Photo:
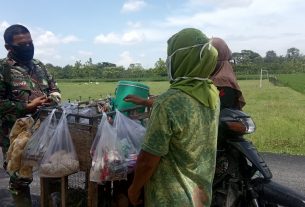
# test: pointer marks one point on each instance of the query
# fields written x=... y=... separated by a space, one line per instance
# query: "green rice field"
x=100 y=90
x=294 y=81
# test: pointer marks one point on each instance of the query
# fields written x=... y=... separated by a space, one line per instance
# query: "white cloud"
x=44 y=40
x=73 y=58
x=51 y=59
x=130 y=37
x=125 y=59
x=258 y=13
x=258 y=25
x=111 y=38
x=134 y=24
x=45 y=51
x=221 y=3
x=47 y=38
x=47 y=55
x=3 y=26
x=133 y=5
x=85 y=53
x=69 y=39
x=47 y=45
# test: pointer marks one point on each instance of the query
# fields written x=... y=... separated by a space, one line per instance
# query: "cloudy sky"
x=136 y=31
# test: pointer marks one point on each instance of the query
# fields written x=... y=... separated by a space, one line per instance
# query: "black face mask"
x=23 y=53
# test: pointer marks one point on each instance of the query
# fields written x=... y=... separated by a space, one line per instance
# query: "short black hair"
x=13 y=30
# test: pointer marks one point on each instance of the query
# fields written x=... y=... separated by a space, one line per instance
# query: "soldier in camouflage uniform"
x=25 y=84
x=177 y=161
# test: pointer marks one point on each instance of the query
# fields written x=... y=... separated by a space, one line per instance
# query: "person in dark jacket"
x=224 y=77
x=25 y=84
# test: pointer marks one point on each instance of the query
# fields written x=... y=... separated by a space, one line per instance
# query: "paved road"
x=287 y=170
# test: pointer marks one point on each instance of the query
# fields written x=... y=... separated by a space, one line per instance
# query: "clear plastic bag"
x=131 y=135
x=108 y=162
x=97 y=135
x=39 y=142
x=70 y=108
x=60 y=158
x=129 y=129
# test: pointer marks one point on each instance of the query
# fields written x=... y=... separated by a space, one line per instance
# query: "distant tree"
x=99 y=68
x=78 y=64
x=54 y=70
x=113 y=72
x=247 y=61
x=78 y=70
x=105 y=64
x=160 y=68
x=89 y=69
x=270 y=56
x=249 y=55
x=237 y=57
x=67 y=72
x=135 y=66
x=293 y=53
x=135 y=70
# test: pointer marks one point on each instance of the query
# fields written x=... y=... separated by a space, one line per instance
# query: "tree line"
x=246 y=62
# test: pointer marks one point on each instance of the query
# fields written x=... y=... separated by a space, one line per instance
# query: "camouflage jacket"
x=18 y=86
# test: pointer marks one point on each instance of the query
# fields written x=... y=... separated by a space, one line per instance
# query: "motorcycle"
x=242 y=177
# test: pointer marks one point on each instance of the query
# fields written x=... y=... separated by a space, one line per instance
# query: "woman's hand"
x=134 y=196
x=135 y=99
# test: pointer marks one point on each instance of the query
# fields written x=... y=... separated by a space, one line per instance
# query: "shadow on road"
x=287 y=170
x=6 y=199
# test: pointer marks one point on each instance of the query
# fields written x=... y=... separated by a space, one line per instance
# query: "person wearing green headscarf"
x=177 y=161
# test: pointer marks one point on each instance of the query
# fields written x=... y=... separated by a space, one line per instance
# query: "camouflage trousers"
x=5 y=144
x=19 y=187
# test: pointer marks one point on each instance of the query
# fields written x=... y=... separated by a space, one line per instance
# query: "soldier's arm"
x=9 y=107
x=51 y=82
x=54 y=92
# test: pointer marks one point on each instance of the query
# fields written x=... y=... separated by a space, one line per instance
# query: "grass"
x=278 y=111
x=294 y=81
x=86 y=91
x=279 y=116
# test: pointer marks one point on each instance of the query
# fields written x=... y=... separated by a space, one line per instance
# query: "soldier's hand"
x=32 y=106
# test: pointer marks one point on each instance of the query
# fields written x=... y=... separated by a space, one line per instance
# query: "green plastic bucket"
x=125 y=88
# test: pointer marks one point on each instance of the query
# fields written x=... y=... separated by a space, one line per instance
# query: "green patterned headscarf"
x=191 y=60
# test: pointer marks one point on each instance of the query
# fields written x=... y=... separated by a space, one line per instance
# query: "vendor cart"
x=82 y=134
